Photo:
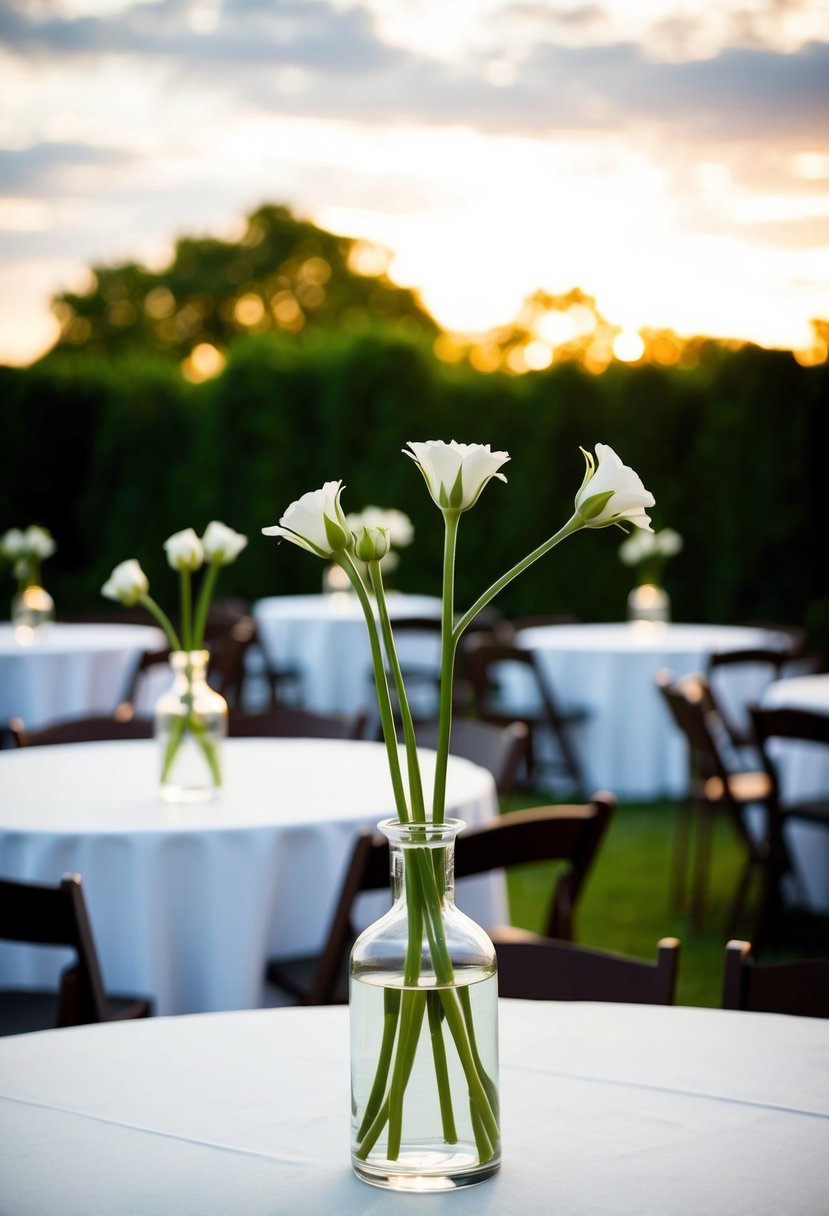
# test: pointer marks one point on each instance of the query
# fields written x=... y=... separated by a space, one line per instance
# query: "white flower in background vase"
x=646 y=553
x=191 y=718
x=32 y=606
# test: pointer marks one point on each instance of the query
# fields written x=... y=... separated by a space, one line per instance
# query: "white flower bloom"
x=127 y=584
x=184 y=550
x=13 y=543
x=316 y=522
x=456 y=473
x=612 y=493
x=221 y=544
x=38 y=542
x=396 y=523
x=668 y=542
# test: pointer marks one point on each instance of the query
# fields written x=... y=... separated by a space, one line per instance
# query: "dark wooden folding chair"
x=800 y=987
x=767 y=663
x=547 y=970
x=289 y=723
x=57 y=916
x=567 y=834
x=483 y=658
x=121 y=725
x=499 y=748
x=789 y=725
x=715 y=790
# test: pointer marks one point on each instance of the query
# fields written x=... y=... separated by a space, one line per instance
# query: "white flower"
x=668 y=542
x=221 y=544
x=612 y=493
x=127 y=584
x=316 y=522
x=637 y=547
x=456 y=473
x=13 y=543
x=396 y=523
x=184 y=550
x=38 y=542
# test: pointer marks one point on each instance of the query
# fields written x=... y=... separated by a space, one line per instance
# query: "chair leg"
x=683 y=822
x=703 y=858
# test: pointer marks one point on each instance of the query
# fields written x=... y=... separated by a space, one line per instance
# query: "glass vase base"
x=183 y=794
x=427 y=1172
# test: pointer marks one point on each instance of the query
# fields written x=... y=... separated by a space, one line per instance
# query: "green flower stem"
x=206 y=590
x=448 y=646
x=381 y=685
x=413 y=768
x=391 y=1014
x=478 y=1099
x=186 y=610
x=163 y=620
x=574 y=524
x=447 y=1116
x=411 y=1018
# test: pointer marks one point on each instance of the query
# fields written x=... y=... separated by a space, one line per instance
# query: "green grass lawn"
x=626 y=903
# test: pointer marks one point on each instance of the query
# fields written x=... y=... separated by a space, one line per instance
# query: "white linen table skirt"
x=188 y=902
x=69 y=671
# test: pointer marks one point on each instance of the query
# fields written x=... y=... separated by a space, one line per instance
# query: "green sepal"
x=592 y=507
x=456 y=493
x=337 y=536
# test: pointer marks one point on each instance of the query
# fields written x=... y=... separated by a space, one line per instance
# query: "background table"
x=325 y=636
x=607 y=1110
x=69 y=670
x=629 y=745
x=188 y=902
x=803 y=769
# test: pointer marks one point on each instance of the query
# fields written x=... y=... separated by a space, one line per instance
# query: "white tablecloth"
x=188 y=902
x=69 y=670
x=607 y=1110
x=325 y=636
x=629 y=745
x=803 y=770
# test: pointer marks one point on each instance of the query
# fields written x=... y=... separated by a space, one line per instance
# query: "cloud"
x=307 y=57
x=36 y=169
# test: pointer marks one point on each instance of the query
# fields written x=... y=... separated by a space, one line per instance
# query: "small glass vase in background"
x=32 y=608
x=190 y=724
x=648 y=602
x=424 y=1030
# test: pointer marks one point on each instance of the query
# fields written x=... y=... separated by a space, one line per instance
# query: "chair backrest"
x=692 y=709
x=762 y=664
x=784 y=722
x=800 y=987
x=547 y=970
x=228 y=647
x=556 y=833
x=482 y=658
x=84 y=730
x=290 y=723
x=497 y=748
x=149 y=660
x=57 y=916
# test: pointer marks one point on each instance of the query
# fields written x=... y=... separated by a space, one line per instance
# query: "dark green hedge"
x=115 y=456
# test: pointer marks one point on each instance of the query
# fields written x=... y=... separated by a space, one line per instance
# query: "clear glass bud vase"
x=424 y=1028
x=649 y=602
x=190 y=724
x=32 y=608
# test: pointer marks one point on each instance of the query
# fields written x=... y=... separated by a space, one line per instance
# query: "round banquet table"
x=629 y=744
x=803 y=771
x=607 y=1110
x=325 y=636
x=69 y=670
x=188 y=902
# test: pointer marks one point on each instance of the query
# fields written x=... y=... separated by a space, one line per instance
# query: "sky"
x=669 y=157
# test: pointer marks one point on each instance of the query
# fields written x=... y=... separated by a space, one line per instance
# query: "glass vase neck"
x=194 y=660
x=436 y=839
